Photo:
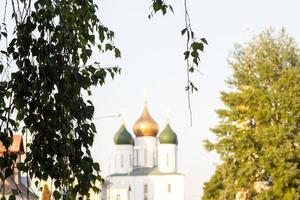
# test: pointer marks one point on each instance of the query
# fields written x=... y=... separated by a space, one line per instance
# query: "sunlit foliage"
x=258 y=134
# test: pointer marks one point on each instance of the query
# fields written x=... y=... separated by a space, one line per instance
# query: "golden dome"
x=145 y=125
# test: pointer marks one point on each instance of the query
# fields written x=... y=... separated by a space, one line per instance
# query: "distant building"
x=145 y=167
x=16 y=182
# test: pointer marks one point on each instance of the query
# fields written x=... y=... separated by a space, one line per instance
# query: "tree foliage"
x=51 y=49
x=258 y=136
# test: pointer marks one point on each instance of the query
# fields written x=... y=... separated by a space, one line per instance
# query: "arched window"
x=118 y=197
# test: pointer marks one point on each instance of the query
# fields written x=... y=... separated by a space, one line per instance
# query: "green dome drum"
x=168 y=136
x=123 y=137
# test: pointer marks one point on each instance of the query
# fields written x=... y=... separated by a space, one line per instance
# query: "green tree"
x=258 y=134
x=46 y=70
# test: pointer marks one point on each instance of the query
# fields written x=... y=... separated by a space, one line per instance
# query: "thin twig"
x=15 y=15
x=188 y=26
x=20 y=192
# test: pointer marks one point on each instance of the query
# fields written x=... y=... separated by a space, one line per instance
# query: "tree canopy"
x=258 y=136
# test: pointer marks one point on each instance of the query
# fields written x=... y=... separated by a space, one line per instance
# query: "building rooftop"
x=145 y=171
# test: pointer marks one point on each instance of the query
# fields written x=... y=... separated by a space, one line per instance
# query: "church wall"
x=152 y=187
x=142 y=186
x=167 y=157
x=145 y=151
x=123 y=161
x=168 y=187
x=118 y=194
x=119 y=188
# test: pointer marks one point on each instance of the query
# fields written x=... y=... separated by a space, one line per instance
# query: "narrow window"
x=130 y=162
x=145 y=192
x=145 y=189
x=169 y=188
x=122 y=161
x=137 y=158
x=153 y=156
x=167 y=161
x=145 y=156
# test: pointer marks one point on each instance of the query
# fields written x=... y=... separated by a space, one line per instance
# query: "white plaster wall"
x=119 y=186
x=124 y=151
x=167 y=158
x=137 y=183
x=122 y=192
x=157 y=187
x=145 y=151
x=177 y=188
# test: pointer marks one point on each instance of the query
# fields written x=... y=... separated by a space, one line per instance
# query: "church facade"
x=145 y=166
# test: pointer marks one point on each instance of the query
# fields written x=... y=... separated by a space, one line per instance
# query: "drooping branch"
x=193 y=46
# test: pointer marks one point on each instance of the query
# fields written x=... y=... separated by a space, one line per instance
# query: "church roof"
x=168 y=136
x=146 y=171
x=145 y=125
x=123 y=137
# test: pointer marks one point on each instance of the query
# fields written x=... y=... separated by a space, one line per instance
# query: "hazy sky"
x=153 y=66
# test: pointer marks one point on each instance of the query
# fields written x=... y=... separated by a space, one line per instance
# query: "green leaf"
x=1 y=68
x=171 y=8
x=15 y=192
x=191 y=69
x=195 y=54
x=4 y=34
x=12 y=197
x=22 y=167
x=108 y=47
x=204 y=41
x=96 y=166
x=117 y=53
x=183 y=31
x=56 y=195
x=186 y=55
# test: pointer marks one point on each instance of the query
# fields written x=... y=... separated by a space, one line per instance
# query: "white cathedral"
x=145 y=167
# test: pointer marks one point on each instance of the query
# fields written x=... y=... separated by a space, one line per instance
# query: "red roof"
x=17 y=145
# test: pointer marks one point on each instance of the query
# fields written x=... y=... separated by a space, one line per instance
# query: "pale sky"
x=152 y=63
x=153 y=66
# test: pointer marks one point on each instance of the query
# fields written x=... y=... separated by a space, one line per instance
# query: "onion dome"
x=145 y=125
x=123 y=137
x=168 y=136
